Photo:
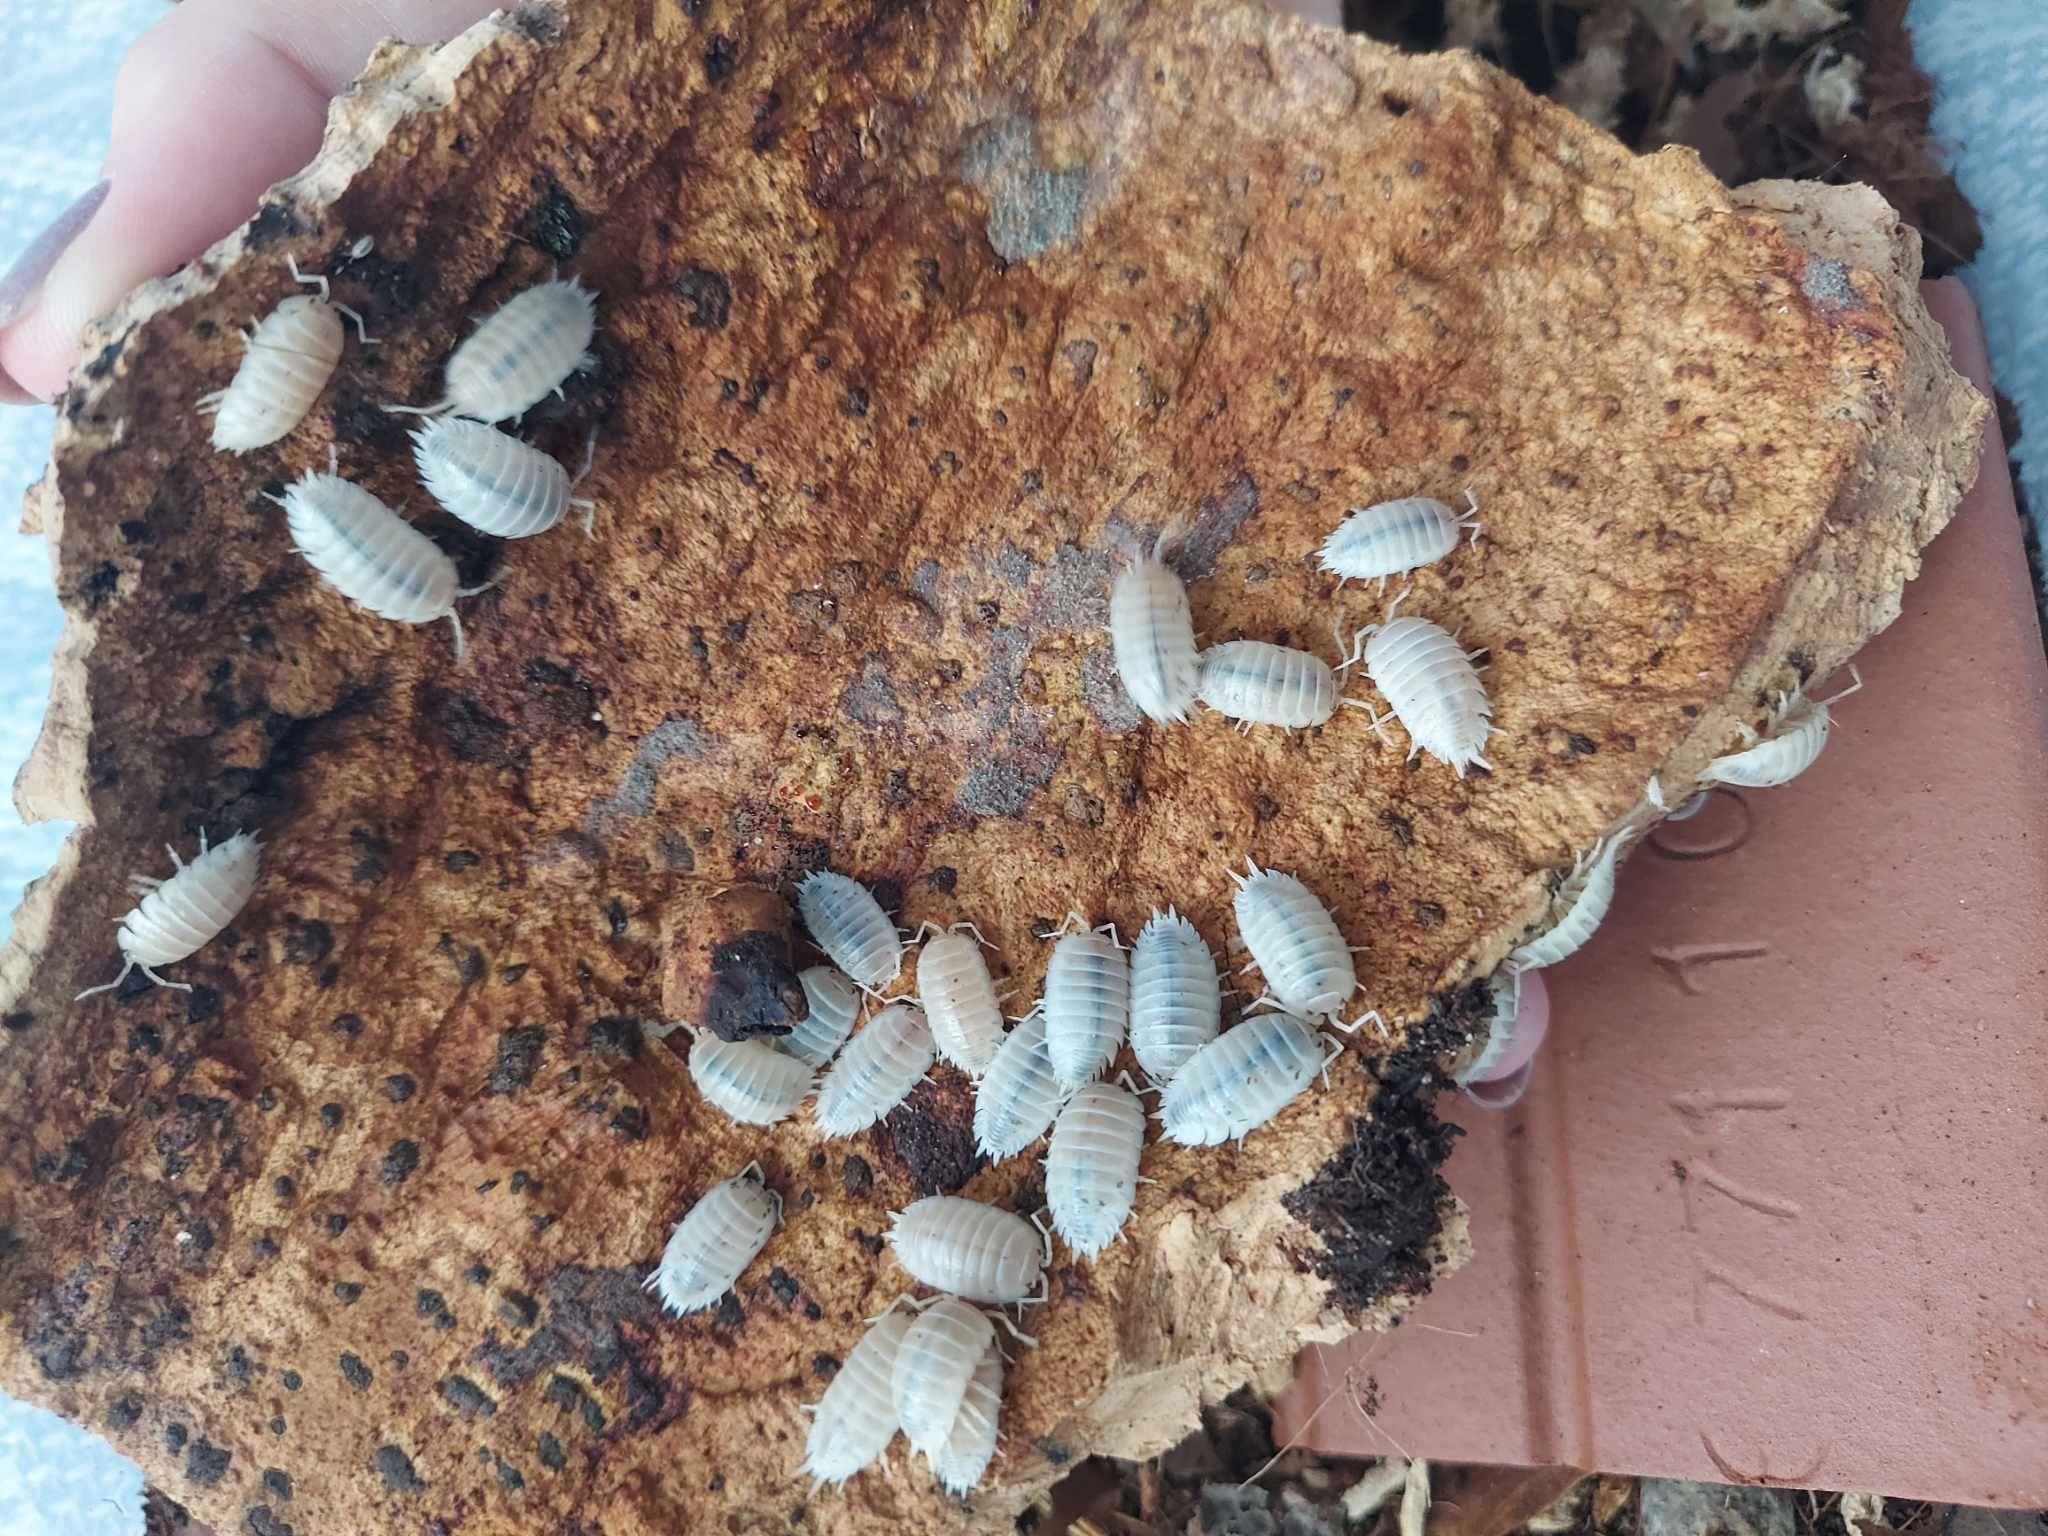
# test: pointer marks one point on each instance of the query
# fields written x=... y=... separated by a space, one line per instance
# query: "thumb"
x=215 y=103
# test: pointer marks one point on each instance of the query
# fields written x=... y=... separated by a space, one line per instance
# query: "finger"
x=214 y=104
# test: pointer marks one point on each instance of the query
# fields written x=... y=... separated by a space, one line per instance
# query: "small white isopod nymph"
x=960 y=1462
x=1242 y=1078
x=492 y=481
x=849 y=925
x=834 y=1005
x=715 y=1241
x=289 y=357
x=1020 y=1094
x=1791 y=747
x=1176 y=997
x=934 y=1364
x=959 y=1001
x=1296 y=945
x=1432 y=685
x=186 y=911
x=969 y=1249
x=1501 y=1025
x=1391 y=537
x=1152 y=635
x=1087 y=1001
x=371 y=555
x=855 y=1420
x=1091 y=1169
x=875 y=1072
x=748 y=1080
x=1255 y=682
x=519 y=355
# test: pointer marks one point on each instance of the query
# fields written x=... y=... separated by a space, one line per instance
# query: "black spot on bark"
x=337 y=1223
x=201 y=1003
x=399 y=1087
x=508 y=1475
x=1216 y=523
x=262 y=1522
x=124 y=1411
x=347 y=1292
x=355 y=1373
x=395 y=1467
x=308 y=941
x=615 y=1036
x=754 y=987
x=1428 y=914
x=784 y=1285
x=468 y=1398
x=175 y=1436
x=551 y=1455
x=461 y=859
x=721 y=58
x=278 y=1484
x=400 y=1161
x=858 y=1177
x=557 y=225
x=824 y=1367
x=854 y=402
x=100 y=586
x=433 y=1306
x=273 y=222
x=1583 y=745
x=519 y=1309
x=468 y=730
x=709 y=295
x=292 y=1380
x=519 y=1052
x=730 y=1315
x=135 y=531
x=931 y=1134
x=1403 y=831
x=145 y=1040
x=206 y=1463
x=330 y=1116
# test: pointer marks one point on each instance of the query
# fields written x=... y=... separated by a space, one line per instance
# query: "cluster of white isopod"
x=934 y=1368
x=521 y=353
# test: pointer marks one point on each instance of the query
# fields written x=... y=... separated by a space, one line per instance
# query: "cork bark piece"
x=914 y=323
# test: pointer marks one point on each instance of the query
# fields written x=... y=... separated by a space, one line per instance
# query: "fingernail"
x=21 y=281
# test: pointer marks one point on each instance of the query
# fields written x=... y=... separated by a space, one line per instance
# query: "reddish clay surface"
x=1775 y=1207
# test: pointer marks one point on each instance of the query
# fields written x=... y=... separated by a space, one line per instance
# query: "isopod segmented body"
x=491 y=480
x=856 y=1418
x=1394 y=536
x=519 y=355
x=1152 y=635
x=1087 y=1004
x=1432 y=686
x=715 y=1241
x=748 y=1080
x=834 y=1005
x=1258 y=683
x=933 y=1366
x=1091 y=1169
x=959 y=1001
x=1792 y=746
x=969 y=1249
x=186 y=911
x=875 y=1072
x=960 y=1462
x=1298 y=947
x=1241 y=1079
x=1581 y=903
x=1020 y=1094
x=1176 y=997
x=849 y=925
x=1501 y=1022
x=371 y=555
x=287 y=361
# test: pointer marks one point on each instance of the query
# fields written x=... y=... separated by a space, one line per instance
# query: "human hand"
x=213 y=104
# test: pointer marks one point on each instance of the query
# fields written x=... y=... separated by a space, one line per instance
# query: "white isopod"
x=494 y=482
x=371 y=555
x=1500 y=1029
x=1791 y=747
x=1087 y=1001
x=1257 y=683
x=1091 y=1169
x=287 y=361
x=1152 y=635
x=1580 y=904
x=934 y=1364
x=1432 y=686
x=716 y=1239
x=1394 y=536
x=962 y=1246
x=875 y=1072
x=1020 y=1095
x=971 y=1446
x=959 y=1000
x=1176 y=998
x=848 y=924
x=180 y=914
x=1296 y=945
x=834 y=1005
x=855 y=1420
x=747 y=1080
x=519 y=355
x=1243 y=1078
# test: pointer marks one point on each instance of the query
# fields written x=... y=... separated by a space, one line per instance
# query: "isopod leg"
x=175 y=986
x=927 y=926
x=315 y=281
x=964 y=923
x=589 y=514
x=1038 y=1221
x=362 y=335
x=1370 y=1016
x=90 y=991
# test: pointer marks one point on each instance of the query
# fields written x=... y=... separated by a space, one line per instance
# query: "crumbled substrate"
x=1745 y=110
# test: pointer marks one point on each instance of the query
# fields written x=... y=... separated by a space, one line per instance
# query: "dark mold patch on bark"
x=519 y=1052
x=754 y=988
x=931 y=1135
